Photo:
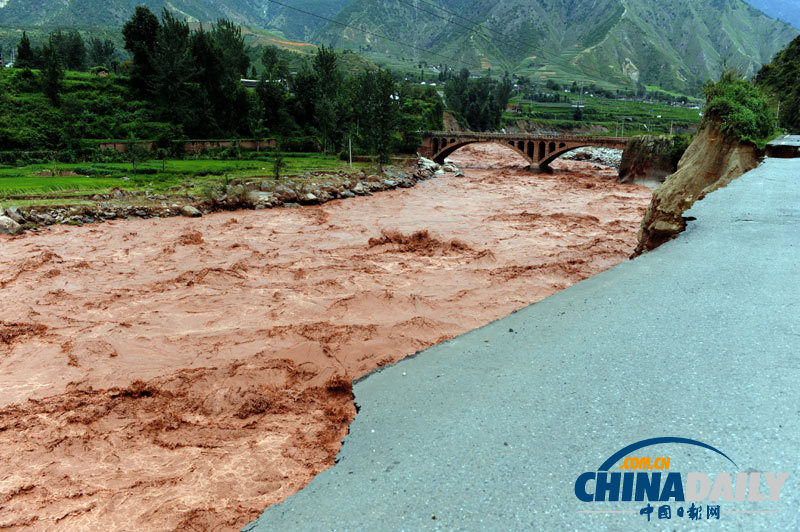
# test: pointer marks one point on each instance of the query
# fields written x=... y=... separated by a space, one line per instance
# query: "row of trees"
x=71 y=50
x=186 y=82
x=481 y=101
x=192 y=79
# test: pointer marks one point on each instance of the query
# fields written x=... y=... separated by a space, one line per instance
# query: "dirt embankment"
x=710 y=163
x=184 y=374
x=650 y=159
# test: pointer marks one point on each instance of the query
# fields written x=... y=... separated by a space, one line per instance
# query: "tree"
x=101 y=52
x=140 y=34
x=233 y=50
x=258 y=127
x=503 y=91
x=380 y=102
x=134 y=151
x=208 y=76
x=327 y=97
x=25 y=57
x=173 y=68
x=271 y=107
x=52 y=74
x=455 y=91
x=739 y=106
x=278 y=163
x=275 y=68
x=73 y=51
x=480 y=102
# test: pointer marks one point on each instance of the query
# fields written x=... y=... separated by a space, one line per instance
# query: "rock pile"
x=605 y=156
x=252 y=195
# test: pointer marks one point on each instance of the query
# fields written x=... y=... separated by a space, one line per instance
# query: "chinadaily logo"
x=641 y=475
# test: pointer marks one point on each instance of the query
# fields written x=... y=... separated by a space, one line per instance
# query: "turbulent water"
x=184 y=374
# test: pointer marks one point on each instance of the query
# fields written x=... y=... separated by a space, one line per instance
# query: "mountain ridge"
x=675 y=44
x=672 y=44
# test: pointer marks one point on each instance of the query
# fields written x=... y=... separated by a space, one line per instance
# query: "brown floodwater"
x=183 y=374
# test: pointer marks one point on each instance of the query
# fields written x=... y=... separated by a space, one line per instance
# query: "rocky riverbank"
x=314 y=188
x=603 y=156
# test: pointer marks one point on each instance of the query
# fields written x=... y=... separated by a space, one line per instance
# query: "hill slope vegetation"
x=673 y=44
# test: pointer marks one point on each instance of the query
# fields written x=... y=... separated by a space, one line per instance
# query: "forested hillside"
x=782 y=79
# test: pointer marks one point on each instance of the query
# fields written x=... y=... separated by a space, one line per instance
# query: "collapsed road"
x=493 y=430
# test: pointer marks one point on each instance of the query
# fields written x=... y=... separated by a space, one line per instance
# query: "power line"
x=449 y=21
x=378 y=35
x=473 y=22
x=531 y=47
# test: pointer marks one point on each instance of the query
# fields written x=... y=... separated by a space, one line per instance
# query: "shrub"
x=740 y=107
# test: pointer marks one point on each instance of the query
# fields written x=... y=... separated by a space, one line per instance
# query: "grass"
x=70 y=184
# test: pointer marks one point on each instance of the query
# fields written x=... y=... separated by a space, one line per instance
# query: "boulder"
x=9 y=226
x=15 y=214
x=450 y=167
x=188 y=211
x=309 y=198
x=285 y=193
x=257 y=198
x=360 y=189
x=428 y=165
x=711 y=162
x=117 y=193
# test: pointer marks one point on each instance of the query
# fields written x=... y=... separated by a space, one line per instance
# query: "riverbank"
x=186 y=373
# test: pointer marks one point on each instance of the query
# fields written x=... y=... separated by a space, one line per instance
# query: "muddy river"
x=183 y=374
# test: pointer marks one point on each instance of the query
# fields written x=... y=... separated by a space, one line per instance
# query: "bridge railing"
x=521 y=136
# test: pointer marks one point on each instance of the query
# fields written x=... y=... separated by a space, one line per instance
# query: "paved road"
x=698 y=339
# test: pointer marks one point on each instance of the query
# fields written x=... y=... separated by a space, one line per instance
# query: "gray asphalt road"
x=698 y=339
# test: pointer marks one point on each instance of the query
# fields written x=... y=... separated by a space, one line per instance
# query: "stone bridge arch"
x=448 y=149
x=538 y=151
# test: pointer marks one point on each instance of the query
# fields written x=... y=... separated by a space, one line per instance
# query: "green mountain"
x=113 y=13
x=673 y=44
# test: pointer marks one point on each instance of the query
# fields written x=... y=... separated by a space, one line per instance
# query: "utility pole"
x=350 y=148
x=580 y=101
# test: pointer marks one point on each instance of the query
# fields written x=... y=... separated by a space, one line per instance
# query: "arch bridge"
x=538 y=150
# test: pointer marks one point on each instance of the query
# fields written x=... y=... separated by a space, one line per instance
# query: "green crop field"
x=636 y=118
x=68 y=183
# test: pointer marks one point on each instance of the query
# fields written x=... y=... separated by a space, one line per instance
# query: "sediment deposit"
x=183 y=374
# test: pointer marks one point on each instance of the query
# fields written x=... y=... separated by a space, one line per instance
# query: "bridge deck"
x=539 y=150
x=465 y=135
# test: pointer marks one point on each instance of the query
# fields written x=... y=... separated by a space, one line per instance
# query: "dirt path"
x=184 y=374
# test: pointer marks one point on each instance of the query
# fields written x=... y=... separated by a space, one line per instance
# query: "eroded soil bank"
x=183 y=374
